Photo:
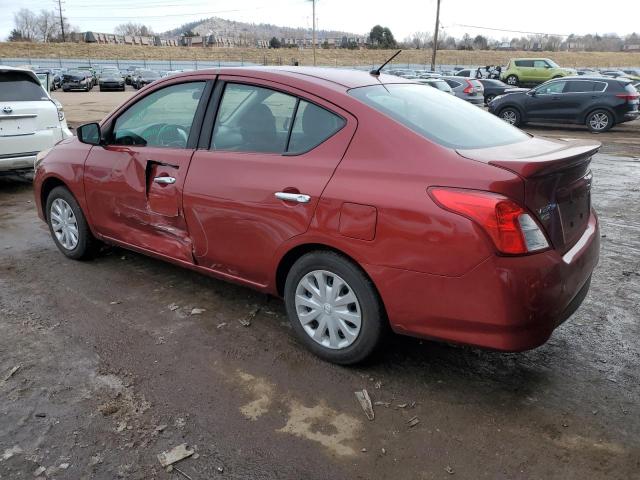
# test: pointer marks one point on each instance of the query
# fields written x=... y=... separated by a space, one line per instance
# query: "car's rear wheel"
x=511 y=116
x=68 y=225
x=334 y=308
x=599 y=121
x=512 y=80
x=488 y=98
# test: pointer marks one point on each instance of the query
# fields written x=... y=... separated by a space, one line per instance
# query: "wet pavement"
x=110 y=373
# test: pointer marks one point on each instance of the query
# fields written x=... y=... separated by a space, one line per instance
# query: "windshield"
x=443 y=119
x=552 y=63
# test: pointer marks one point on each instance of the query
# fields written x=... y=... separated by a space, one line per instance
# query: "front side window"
x=443 y=119
x=161 y=119
x=540 y=64
x=551 y=88
x=258 y=119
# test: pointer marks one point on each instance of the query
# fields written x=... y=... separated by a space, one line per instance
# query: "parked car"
x=437 y=83
x=55 y=80
x=91 y=71
x=632 y=73
x=129 y=73
x=211 y=171
x=493 y=88
x=467 y=89
x=111 y=79
x=77 y=80
x=30 y=120
x=143 y=78
x=619 y=74
x=532 y=71
x=597 y=102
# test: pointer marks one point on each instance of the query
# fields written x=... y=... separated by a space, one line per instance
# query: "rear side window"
x=599 y=86
x=20 y=87
x=312 y=126
x=524 y=63
x=443 y=119
x=579 y=86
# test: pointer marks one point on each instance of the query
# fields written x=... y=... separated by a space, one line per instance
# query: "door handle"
x=165 y=180
x=293 y=197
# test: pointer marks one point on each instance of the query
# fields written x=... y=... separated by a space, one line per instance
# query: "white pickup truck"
x=30 y=120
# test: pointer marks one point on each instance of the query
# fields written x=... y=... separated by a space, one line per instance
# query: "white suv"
x=30 y=120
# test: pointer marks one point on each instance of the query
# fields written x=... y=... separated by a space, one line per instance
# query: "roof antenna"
x=376 y=71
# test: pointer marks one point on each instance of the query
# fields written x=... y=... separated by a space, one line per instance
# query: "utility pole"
x=435 y=38
x=314 y=31
x=61 y=20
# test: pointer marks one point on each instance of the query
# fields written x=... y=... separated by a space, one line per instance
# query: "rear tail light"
x=628 y=96
x=469 y=88
x=512 y=230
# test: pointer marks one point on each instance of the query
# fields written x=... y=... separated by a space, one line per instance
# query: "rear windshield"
x=20 y=87
x=443 y=119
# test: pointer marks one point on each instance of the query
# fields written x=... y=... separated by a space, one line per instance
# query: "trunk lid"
x=557 y=182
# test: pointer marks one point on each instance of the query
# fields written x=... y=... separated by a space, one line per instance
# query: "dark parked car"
x=493 y=88
x=450 y=225
x=142 y=78
x=129 y=73
x=111 y=79
x=92 y=71
x=468 y=89
x=77 y=80
x=597 y=102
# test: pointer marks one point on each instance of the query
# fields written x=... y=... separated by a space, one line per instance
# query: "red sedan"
x=365 y=201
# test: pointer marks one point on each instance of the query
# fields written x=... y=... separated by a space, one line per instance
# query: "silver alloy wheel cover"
x=599 y=121
x=509 y=116
x=64 y=224
x=328 y=309
x=511 y=80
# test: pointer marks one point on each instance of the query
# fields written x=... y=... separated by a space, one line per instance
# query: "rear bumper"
x=505 y=303
x=15 y=162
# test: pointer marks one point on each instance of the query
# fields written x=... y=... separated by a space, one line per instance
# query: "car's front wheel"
x=511 y=116
x=512 y=80
x=68 y=225
x=334 y=308
x=599 y=121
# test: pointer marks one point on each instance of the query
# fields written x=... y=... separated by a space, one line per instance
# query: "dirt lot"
x=86 y=51
x=100 y=372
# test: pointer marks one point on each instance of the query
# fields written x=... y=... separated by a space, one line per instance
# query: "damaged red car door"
x=134 y=181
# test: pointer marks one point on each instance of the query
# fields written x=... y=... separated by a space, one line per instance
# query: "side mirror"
x=90 y=134
x=532 y=93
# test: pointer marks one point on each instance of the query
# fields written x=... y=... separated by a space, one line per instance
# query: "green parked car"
x=533 y=71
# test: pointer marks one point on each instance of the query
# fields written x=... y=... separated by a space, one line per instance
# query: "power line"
x=509 y=31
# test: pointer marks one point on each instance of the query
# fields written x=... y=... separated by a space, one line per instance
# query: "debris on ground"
x=364 y=450
x=115 y=302
x=449 y=470
x=413 y=421
x=220 y=325
x=10 y=452
x=64 y=466
x=39 y=471
x=174 y=455
x=161 y=428
x=365 y=403
x=220 y=469
x=173 y=307
x=182 y=473
x=11 y=373
x=246 y=321
x=108 y=408
x=198 y=311
x=383 y=450
x=402 y=405
x=382 y=404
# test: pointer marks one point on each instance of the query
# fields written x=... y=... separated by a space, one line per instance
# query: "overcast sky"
x=358 y=16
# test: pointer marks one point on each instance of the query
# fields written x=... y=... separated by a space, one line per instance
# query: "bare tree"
x=132 y=28
x=48 y=25
x=25 y=22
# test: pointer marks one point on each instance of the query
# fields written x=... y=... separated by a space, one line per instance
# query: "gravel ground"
x=100 y=372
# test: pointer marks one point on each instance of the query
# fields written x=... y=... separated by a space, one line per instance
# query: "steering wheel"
x=171 y=135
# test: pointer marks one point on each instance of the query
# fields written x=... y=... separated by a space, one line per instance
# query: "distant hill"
x=251 y=31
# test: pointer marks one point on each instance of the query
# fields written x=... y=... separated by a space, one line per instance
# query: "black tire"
x=599 y=121
x=102 y=89
x=373 y=318
x=87 y=244
x=65 y=89
x=512 y=80
x=488 y=98
x=511 y=115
